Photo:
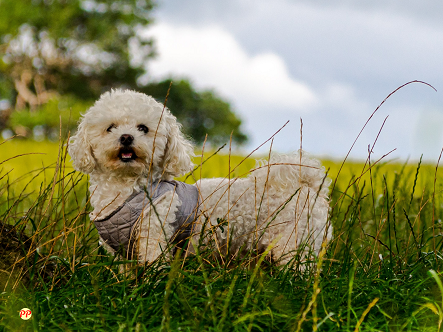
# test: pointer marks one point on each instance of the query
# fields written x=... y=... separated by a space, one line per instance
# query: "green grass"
x=377 y=274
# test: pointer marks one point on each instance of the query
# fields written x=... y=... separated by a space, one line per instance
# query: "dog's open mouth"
x=127 y=154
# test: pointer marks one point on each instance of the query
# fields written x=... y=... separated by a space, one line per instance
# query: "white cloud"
x=212 y=58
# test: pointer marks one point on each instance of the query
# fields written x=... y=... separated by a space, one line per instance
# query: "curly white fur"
x=285 y=199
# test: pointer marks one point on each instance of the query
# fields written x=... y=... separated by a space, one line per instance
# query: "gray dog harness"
x=118 y=231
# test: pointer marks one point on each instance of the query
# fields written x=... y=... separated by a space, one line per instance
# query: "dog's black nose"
x=126 y=139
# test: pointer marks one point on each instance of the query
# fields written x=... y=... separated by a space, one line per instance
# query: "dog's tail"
x=288 y=172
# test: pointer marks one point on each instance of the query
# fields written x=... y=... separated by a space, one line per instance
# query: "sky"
x=327 y=64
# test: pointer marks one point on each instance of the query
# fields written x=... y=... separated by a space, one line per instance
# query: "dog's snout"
x=126 y=139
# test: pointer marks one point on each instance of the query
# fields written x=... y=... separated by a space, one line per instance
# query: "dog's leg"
x=107 y=247
x=304 y=229
x=122 y=268
x=155 y=230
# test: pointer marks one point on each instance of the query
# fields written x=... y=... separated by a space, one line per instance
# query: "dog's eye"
x=110 y=127
x=143 y=128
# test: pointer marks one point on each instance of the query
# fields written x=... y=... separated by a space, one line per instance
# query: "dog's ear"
x=81 y=152
x=178 y=151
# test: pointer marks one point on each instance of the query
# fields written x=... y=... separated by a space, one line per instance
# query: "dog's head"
x=130 y=134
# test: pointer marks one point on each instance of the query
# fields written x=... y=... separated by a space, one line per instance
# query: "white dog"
x=132 y=148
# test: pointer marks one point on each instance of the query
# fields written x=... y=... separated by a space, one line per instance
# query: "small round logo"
x=25 y=313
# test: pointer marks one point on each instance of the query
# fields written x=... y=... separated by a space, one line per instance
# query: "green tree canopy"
x=55 y=52
x=200 y=113
x=77 y=47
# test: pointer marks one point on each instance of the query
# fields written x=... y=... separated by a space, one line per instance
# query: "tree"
x=80 y=47
x=200 y=113
x=60 y=55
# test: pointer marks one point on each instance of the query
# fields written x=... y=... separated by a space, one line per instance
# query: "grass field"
x=381 y=271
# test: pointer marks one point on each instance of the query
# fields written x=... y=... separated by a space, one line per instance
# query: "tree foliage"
x=54 y=52
x=200 y=113
x=77 y=47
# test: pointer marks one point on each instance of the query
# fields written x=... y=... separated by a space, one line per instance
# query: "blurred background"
x=239 y=66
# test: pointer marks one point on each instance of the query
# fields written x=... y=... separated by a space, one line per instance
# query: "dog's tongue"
x=127 y=155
